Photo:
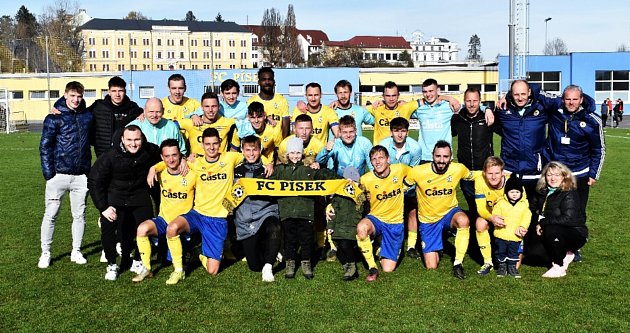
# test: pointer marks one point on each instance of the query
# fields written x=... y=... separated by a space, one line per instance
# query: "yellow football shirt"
x=213 y=181
x=383 y=115
x=179 y=111
x=311 y=150
x=387 y=195
x=178 y=193
x=486 y=197
x=270 y=139
x=225 y=126
x=323 y=120
x=436 y=192
x=277 y=107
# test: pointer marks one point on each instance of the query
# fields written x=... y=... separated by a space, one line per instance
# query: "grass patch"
x=67 y=297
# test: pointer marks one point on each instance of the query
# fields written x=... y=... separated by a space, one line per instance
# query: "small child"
x=516 y=216
x=297 y=213
x=342 y=226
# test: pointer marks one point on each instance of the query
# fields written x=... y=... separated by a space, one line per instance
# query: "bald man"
x=156 y=128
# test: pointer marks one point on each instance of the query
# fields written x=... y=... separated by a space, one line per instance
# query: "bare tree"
x=271 y=36
x=134 y=15
x=474 y=48
x=290 y=47
x=556 y=46
x=59 y=24
x=190 y=17
x=623 y=48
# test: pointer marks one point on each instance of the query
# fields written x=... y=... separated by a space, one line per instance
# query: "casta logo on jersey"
x=435 y=191
x=174 y=195
x=385 y=195
x=210 y=176
x=317 y=131
x=383 y=122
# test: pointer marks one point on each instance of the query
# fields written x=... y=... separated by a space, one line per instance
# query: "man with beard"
x=276 y=106
x=343 y=90
x=438 y=210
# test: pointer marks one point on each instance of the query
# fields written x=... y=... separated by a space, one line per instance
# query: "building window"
x=193 y=55
x=612 y=84
x=121 y=67
x=37 y=94
x=105 y=41
x=206 y=55
x=92 y=54
x=181 y=42
x=193 y=42
x=133 y=54
x=232 y=66
x=145 y=41
x=170 y=42
x=89 y=93
x=181 y=55
x=159 y=42
x=106 y=54
x=250 y=89
x=92 y=67
x=106 y=67
x=232 y=43
x=194 y=67
x=121 y=54
x=243 y=55
x=489 y=87
x=146 y=55
x=145 y=67
x=159 y=55
x=91 y=41
x=147 y=91
x=232 y=55
x=132 y=41
x=217 y=55
x=16 y=94
x=121 y=41
x=217 y=42
x=243 y=43
x=217 y=66
x=548 y=81
x=206 y=42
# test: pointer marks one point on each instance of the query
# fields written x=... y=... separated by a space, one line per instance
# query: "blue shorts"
x=392 y=237
x=213 y=232
x=160 y=225
x=431 y=233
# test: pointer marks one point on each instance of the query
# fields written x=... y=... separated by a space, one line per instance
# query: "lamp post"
x=546 y=22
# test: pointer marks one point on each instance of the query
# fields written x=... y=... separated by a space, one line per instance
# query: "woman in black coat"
x=562 y=224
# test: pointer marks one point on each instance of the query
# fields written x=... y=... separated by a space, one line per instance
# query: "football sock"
x=483 y=239
x=175 y=246
x=412 y=238
x=461 y=244
x=332 y=244
x=144 y=246
x=321 y=238
x=366 y=250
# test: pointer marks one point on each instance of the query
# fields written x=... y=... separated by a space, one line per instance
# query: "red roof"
x=318 y=37
x=378 y=42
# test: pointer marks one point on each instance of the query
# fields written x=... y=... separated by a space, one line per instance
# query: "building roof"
x=379 y=42
x=147 y=25
x=318 y=37
x=443 y=40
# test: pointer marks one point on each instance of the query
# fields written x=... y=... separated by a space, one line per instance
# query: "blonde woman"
x=562 y=224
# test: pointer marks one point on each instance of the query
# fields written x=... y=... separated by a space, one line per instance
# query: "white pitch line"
x=617 y=136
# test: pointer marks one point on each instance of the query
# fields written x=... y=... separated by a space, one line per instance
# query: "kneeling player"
x=177 y=193
x=386 y=192
x=438 y=209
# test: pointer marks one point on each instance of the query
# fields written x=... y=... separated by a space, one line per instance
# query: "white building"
x=435 y=51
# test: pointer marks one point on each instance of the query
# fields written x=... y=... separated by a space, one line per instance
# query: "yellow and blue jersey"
x=177 y=194
x=225 y=126
x=387 y=195
x=277 y=107
x=323 y=120
x=383 y=115
x=183 y=110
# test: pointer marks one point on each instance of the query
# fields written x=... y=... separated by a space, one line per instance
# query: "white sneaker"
x=77 y=257
x=44 y=260
x=556 y=271
x=103 y=258
x=118 y=249
x=267 y=273
x=137 y=267
x=279 y=257
x=568 y=258
x=112 y=272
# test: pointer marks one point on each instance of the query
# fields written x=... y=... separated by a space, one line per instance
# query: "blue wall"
x=197 y=79
x=577 y=68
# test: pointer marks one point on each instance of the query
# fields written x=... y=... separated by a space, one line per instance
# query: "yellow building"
x=452 y=80
x=118 y=45
x=30 y=96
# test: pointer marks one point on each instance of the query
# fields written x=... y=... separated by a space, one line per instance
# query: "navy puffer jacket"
x=65 y=143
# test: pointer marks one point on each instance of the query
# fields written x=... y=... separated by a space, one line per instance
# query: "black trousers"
x=558 y=240
x=123 y=228
x=298 y=233
x=263 y=247
x=583 y=191
x=346 y=250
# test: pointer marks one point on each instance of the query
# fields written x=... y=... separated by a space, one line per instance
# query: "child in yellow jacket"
x=516 y=216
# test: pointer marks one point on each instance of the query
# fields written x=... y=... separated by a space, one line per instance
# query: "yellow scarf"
x=290 y=188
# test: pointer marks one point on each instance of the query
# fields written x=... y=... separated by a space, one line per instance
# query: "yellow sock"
x=461 y=244
x=144 y=246
x=366 y=250
x=321 y=238
x=204 y=261
x=483 y=239
x=332 y=244
x=175 y=246
x=412 y=238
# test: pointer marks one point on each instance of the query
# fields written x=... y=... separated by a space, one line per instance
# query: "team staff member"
x=211 y=118
x=276 y=106
x=156 y=128
x=118 y=187
x=65 y=155
x=386 y=189
x=177 y=194
x=323 y=117
x=474 y=141
x=436 y=185
x=576 y=138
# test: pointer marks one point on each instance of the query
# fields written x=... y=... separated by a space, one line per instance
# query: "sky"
x=583 y=25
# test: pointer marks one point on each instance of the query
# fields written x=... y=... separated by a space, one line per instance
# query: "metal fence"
x=40 y=55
